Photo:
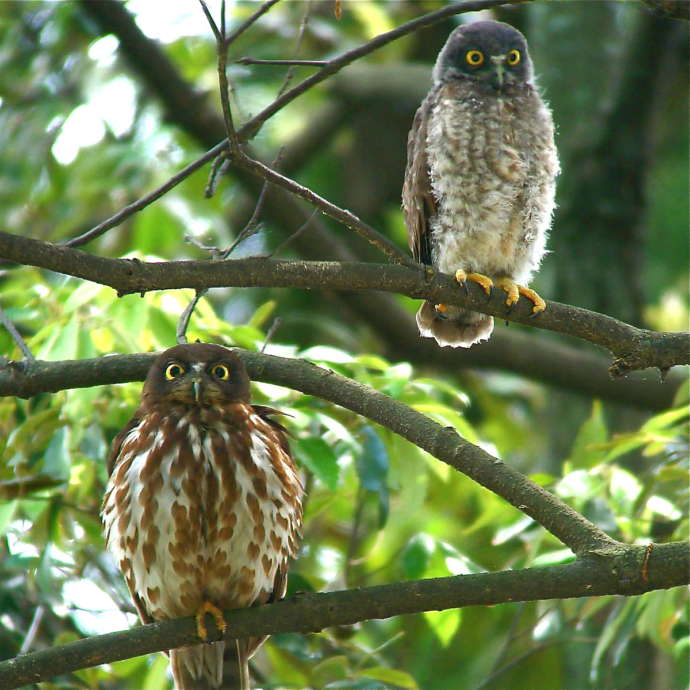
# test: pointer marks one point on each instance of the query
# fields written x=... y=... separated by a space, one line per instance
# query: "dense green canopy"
x=90 y=123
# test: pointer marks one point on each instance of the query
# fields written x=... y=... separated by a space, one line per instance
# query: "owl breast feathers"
x=203 y=507
x=480 y=179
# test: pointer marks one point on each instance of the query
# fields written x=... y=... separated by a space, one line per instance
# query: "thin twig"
x=294 y=235
x=297 y=63
x=28 y=642
x=183 y=323
x=251 y=127
x=211 y=22
x=277 y=322
x=249 y=21
x=343 y=216
x=16 y=336
x=252 y=227
x=298 y=44
x=218 y=169
x=145 y=200
x=222 y=52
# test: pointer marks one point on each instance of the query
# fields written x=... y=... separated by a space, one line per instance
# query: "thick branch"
x=634 y=348
x=668 y=566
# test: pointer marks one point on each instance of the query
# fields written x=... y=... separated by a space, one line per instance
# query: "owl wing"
x=119 y=440
x=419 y=204
x=139 y=604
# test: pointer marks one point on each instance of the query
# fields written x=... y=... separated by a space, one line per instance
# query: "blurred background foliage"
x=82 y=134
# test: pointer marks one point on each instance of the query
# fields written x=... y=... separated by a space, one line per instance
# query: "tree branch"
x=347 y=218
x=538 y=358
x=444 y=443
x=634 y=348
x=668 y=566
x=183 y=104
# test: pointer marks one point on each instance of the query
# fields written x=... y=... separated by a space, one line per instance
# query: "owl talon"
x=216 y=614
x=513 y=292
x=484 y=282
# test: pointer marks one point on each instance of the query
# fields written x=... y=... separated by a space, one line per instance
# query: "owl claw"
x=216 y=614
x=513 y=292
x=483 y=281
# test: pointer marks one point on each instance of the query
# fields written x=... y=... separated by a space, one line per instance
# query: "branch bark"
x=668 y=566
x=634 y=348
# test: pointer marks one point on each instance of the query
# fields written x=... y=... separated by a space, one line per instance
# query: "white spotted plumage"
x=203 y=505
x=480 y=179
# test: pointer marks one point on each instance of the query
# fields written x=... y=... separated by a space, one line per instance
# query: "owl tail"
x=199 y=667
x=455 y=327
x=211 y=666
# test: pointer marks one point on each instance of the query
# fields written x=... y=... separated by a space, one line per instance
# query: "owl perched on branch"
x=203 y=507
x=480 y=180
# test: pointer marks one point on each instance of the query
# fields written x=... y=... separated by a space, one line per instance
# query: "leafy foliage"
x=379 y=509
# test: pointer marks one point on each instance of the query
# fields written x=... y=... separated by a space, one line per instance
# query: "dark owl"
x=203 y=507
x=480 y=179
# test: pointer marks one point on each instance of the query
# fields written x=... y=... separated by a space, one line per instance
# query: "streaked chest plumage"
x=492 y=167
x=202 y=505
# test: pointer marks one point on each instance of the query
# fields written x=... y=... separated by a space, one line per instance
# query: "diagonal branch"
x=604 y=566
x=347 y=218
x=161 y=76
x=634 y=348
x=444 y=443
x=251 y=128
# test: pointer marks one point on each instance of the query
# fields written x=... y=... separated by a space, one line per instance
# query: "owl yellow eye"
x=220 y=371
x=474 y=57
x=174 y=371
x=513 y=57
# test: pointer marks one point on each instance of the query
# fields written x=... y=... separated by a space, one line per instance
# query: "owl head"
x=489 y=53
x=198 y=374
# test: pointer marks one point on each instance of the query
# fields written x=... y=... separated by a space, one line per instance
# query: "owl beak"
x=498 y=79
x=197 y=389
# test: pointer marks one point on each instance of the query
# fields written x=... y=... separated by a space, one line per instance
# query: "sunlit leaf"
x=444 y=624
x=318 y=456
x=585 y=453
x=391 y=676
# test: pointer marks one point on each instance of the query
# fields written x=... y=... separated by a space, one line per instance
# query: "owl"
x=480 y=179
x=203 y=507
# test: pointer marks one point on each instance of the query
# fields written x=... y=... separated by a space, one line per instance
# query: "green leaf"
x=613 y=635
x=665 y=419
x=392 y=676
x=56 y=461
x=372 y=469
x=584 y=453
x=553 y=558
x=316 y=455
x=325 y=353
x=163 y=328
x=331 y=669
x=416 y=556
x=444 y=624
x=262 y=314
x=7 y=511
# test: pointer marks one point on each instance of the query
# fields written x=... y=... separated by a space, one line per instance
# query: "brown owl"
x=203 y=507
x=480 y=179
